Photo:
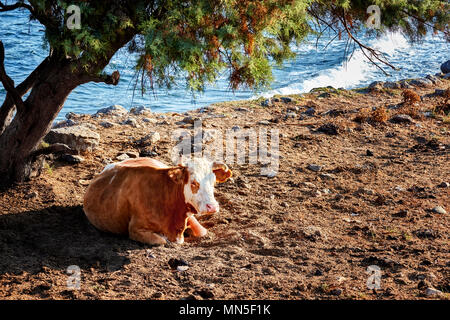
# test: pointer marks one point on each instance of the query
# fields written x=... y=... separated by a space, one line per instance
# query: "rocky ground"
x=363 y=180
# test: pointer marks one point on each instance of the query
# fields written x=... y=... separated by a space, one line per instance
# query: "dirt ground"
x=302 y=234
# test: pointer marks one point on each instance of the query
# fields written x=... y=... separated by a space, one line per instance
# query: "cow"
x=150 y=201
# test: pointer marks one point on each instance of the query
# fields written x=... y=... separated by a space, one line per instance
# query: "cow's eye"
x=195 y=186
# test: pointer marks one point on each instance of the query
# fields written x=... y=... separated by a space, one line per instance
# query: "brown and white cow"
x=150 y=201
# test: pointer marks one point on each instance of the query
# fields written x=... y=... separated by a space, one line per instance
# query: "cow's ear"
x=222 y=172
x=179 y=174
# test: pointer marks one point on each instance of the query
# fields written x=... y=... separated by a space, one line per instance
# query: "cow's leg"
x=143 y=235
x=197 y=229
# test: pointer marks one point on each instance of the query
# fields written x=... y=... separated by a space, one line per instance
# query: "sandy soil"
x=299 y=235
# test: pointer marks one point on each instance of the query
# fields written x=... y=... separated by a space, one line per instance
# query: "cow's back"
x=106 y=203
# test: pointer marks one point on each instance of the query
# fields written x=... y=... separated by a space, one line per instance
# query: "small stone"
x=122 y=156
x=369 y=153
x=285 y=204
x=267 y=103
x=236 y=128
x=336 y=292
x=329 y=128
x=327 y=176
x=132 y=154
x=439 y=209
x=115 y=110
x=286 y=99
x=149 y=120
x=444 y=185
x=106 y=124
x=240 y=109
x=310 y=111
x=402 y=118
x=264 y=122
x=205 y=293
x=376 y=85
x=140 y=110
x=432 y=292
x=182 y=268
x=131 y=122
x=392 y=85
x=174 y=263
x=314 y=167
x=421 y=82
x=291 y=115
x=31 y=195
x=445 y=67
x=313 y=233
x=72 y=159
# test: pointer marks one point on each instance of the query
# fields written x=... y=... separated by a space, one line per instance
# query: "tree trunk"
x=21 y=137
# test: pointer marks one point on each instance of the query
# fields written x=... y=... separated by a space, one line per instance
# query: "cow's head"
x=198 y=189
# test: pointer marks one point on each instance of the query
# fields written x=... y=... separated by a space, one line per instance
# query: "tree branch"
x=108 y=79
x=8 y=83
x=5 y=7
x=54 y=148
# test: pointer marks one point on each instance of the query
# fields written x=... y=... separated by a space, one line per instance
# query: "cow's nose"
x=210 y=208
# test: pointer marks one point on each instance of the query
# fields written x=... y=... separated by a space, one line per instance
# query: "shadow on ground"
x=57 y=237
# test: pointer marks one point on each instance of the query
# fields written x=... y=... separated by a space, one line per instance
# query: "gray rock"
x=131 y=122
x=286 y=99
x=291 y=115
x=236 y=128
x=439 y=209
x=132 y=154
x=140 y=110
x=444 y=185
x=107 y=124
x=72 y=159
x=240 y=109
x=31 y=195
x=314 y=167
x=327 y=176
x=78 y=138
x=445 y=67
x=446 y=76
x=310 y=111
x=313 y=233
x=264 y=122
x=64 y=123
x=267 y=103
x=149 y=120
x=114 y=110
x=376 y=85
x=150 y=138
x=421 y=82
x=392 y=85
x=123 y=156
x=402 y=118
x=432 y=292
x=433 y=79
x=405 y=84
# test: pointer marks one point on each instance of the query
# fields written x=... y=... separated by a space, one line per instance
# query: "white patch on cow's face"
x=199 y=191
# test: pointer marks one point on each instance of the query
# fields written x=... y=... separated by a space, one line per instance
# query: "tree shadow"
x=57 y=237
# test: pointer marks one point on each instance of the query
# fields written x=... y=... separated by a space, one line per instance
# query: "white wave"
x=347 y=75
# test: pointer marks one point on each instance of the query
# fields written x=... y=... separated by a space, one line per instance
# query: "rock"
x=267 y=103
x=376 y=85
x=264 y=122
x=131 y=122
x=439 y=209
x=140 y=110
x=313 y=233
x=240 y=109
x=149 y=139
x=236 y=128
x=285 y=205
x=421 y=82
x=286 y=99
x=432 y=292
x=310 y=111
x=392 y=85
x=205 y=293
x=329 y=128
x=148 y=152
x=327 y=176
x=369 y=153
x=175 y=263
x=444 y=185
x=402 y=118
x=78 y=138
x=64 y=123
x=290 y=115
x=336 y=292
x=445 y=67
x=132 y=154
x=72 y=159
x=107 y=124
x=31 y=195
x=122 y=157
x=149 y=120
x=314 y=167
x=446 y=76
x=189 y=120
x=405 y=84
x=182 y=268
x=426 y=233
x=433 y=79
x=114 y=110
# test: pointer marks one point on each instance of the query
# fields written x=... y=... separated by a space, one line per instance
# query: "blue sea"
x=313 y=66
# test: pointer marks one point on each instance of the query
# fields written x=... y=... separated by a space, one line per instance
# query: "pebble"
x=314 y=167
x=72 y=159
x=439 y=209
x=149 y=120
x=106 y=124
x=369 y=153
x=131 y=122
x=236 y=128
x=402 y=118
x=285 y=204
x=267 y=103
x=327 y=176
x=444 y=185
x=122 y=156
x=32 y=195
x=310 y=111
x=182 y=268
x=264 y=122
x=286 y=99
x=432 y=292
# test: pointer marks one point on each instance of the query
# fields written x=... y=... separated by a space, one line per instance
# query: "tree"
x=199 y=39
